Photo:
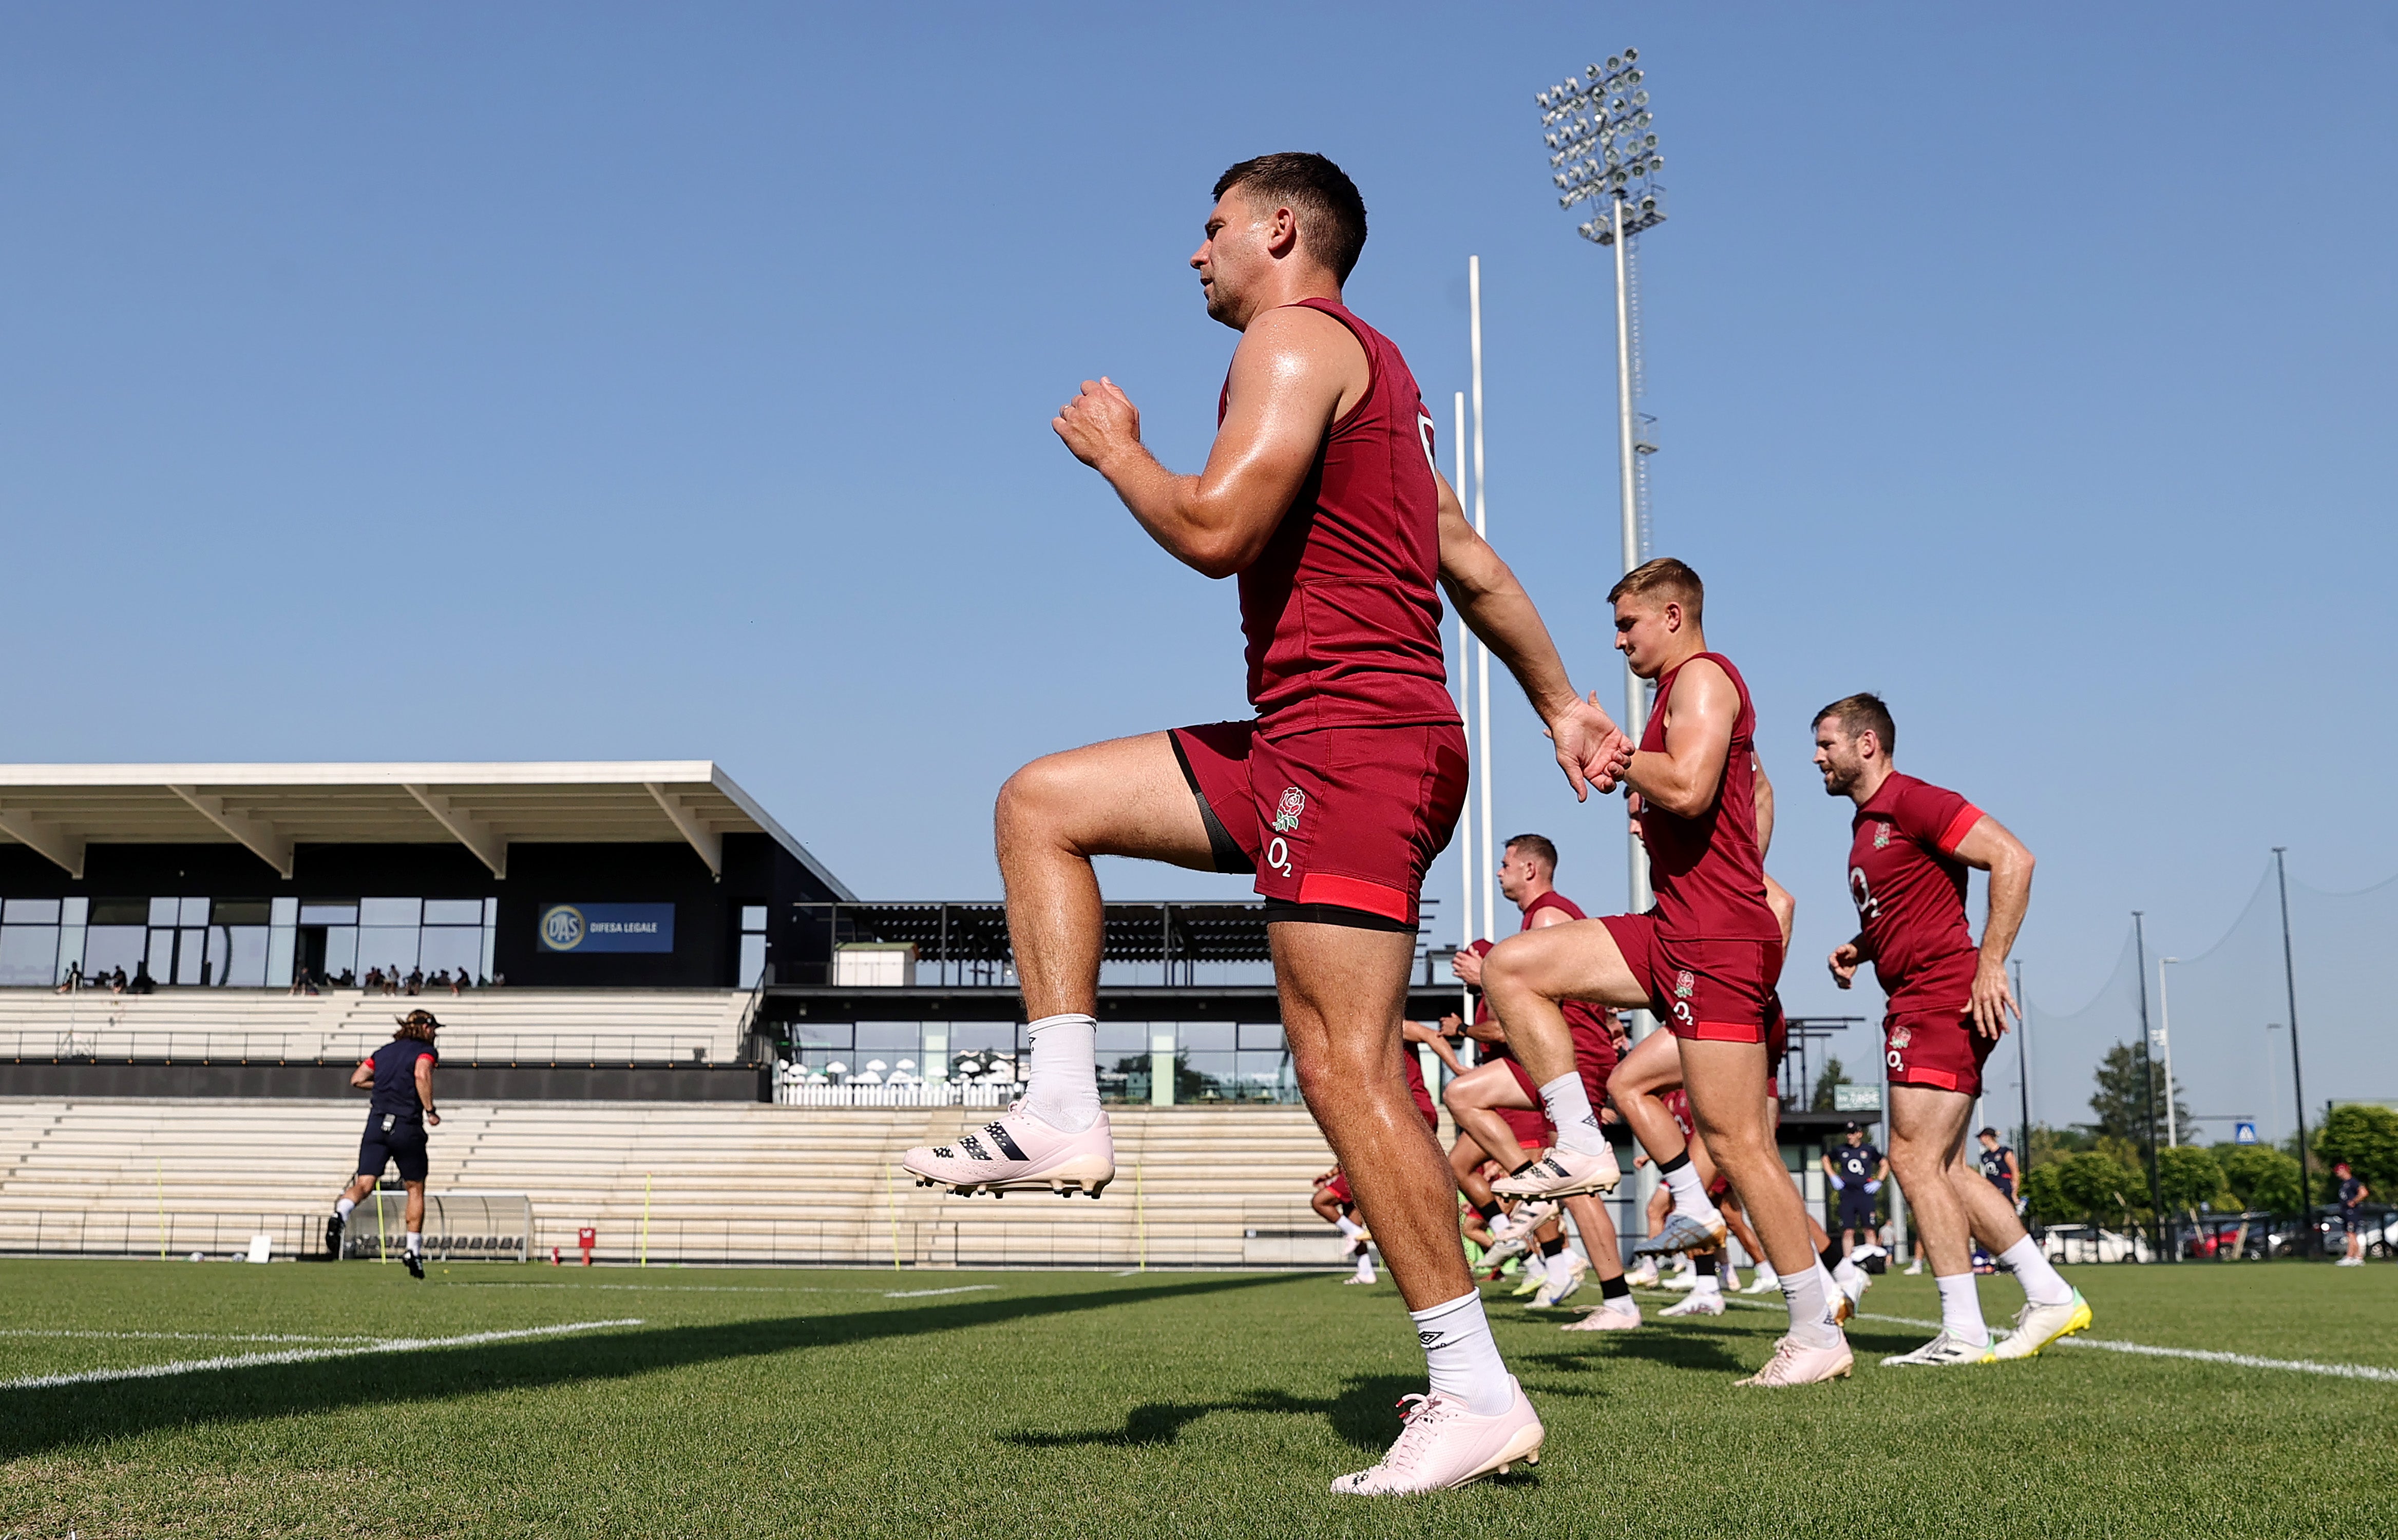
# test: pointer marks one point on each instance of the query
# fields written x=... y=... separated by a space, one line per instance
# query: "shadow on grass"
x=33 y=1420
x=1364 y=1414
x=1671 y=1349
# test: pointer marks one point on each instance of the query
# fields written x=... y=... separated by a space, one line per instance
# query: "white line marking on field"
x=2199 y=1355
x=927 y=1293
x=302 y=1355
x=185 y=1336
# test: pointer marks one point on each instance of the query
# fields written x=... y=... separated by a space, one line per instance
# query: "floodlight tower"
x=1597 y=128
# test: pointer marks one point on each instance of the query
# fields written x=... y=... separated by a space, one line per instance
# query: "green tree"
x=2259 y=1177
x=2188 y=1178
x=2121 y=1105
x=1826 y=1083
x=2093 y=1182
x=2044 y=1197
x=2367 y=1137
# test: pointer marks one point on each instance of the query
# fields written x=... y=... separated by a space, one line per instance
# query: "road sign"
x=2243 y=1133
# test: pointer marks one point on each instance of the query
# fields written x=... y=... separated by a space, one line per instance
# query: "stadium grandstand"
x=664 y=1022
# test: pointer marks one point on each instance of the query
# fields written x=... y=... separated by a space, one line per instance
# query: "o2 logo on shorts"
x=1682 y=1012
x=1278 y=855
x=1899 y=1037
x=561 y=927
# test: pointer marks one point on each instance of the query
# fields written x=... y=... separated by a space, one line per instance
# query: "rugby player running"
x=1706 y=958
x=1949 y=1000
x=1321 y=495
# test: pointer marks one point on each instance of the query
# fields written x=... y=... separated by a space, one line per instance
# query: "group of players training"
x=1322 y=496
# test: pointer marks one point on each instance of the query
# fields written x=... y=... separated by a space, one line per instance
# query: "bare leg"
x=1465 y=1162
x=1343 y=997
x=416 y=1224
x=1727 y=1086
x=1527 y=974
x=1927 y=1132
x=1652 y=1067
x=359 y=1186
x=1472 y=1099
x=1126 y=797
x=1597 y=1234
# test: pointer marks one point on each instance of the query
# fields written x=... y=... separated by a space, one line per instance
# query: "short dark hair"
x=1538 y=846
x=1856 y=713
x=1331 y=213
x=1665 y=575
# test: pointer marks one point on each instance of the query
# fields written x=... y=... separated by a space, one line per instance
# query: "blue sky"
x=600 y=381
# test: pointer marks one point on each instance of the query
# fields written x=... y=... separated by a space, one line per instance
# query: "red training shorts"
x=1339 y=1188
x=1938 y=1048
x=1715 y=991
x=1530 y=1125
x=1417 y=1089
x=1341 y=823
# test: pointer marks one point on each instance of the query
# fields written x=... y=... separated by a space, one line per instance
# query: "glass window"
x=192 y=959
x=453 y=911
x=163 y=911
x=245 y=956
x=753 y=917
x=391 y=911
x=32 y=911
x=29 y=953
x=162 y=953
x=387 y=946
x=753 y=963
x=241 y=911
x=458 y=948
x=341 y=950
x=318 y=912
x=109 y=947
x=120 y=911
x=195 y=911
x=286 y=910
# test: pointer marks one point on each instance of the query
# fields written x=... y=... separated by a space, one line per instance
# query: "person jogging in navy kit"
x=1858 y=1170
x=399 y=1075
x=1998 y=1164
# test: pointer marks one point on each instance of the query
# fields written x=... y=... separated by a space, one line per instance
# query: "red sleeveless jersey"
x=1342 y=609
x=1707 y=871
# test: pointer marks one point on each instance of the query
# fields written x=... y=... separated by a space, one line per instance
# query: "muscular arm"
x=1684 y=777
x=362 y=1077
x=424 y=1091
x=1988 y=846
x=1295 y=372
x=1496 y=609
x=1416 y=1032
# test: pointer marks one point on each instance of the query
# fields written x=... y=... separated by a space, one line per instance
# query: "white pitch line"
x=185 y=1336
x=927 y=1293
x=301 y=1355
x=2197 y=1355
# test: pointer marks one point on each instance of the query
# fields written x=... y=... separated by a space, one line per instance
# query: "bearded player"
x=1706 y=958
x=1321 y=495
x=1912 y=843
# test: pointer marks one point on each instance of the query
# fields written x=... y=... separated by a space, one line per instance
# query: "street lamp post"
x=2147 y=1072
x=1599 y=133
x=2165 y=1041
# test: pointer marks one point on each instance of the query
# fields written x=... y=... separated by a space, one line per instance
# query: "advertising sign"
x=1853 y=1098
x=606 y=928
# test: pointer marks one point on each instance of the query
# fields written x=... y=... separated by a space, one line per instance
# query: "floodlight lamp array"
x=1602 y=143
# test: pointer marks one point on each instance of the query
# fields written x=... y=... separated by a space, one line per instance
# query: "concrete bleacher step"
x=742 y=1182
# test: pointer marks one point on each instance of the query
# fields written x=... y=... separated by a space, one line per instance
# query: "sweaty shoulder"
x=1297 y=347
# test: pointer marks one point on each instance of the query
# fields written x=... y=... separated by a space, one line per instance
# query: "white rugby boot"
x=2039 y=1325
x=1946 y=1351
x=1562 y=1173
x=1018 y=1153
x=1794 y=1364
x=1445 y=1445
x=1565 y=1277
x=1614 y=1315
x=1703 y=1301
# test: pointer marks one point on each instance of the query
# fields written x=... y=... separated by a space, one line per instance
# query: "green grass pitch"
x=936 y=1403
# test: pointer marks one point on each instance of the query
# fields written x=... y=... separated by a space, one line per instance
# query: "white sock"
x=2042 y=1283
x=1366 y=1269
x=1708 y=1284
x=1960 y=1309
x=415 y=1242
x=342 y=1209
x=1349 y=1227
x=1568 y=1102
x=1765 y=1276
x=1690 y=1194
x=1810 y=1309
x=1460 y=1356
x=1064 y=1088
x=1535 y=1264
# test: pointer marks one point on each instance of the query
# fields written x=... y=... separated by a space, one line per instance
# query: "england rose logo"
x=1294 y=802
